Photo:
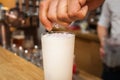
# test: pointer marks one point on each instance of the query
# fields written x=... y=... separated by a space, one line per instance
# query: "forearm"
x=93 y=4
x=102 y=33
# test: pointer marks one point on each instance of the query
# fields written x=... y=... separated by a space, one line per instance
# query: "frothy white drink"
x=58 y=52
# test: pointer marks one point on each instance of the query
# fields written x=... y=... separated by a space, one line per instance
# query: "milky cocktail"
x=58 y=53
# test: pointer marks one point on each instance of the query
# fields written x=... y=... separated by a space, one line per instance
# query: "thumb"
x=82 y=2
x=83 y=12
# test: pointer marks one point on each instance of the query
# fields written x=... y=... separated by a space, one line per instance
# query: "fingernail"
x=49 y=28
x=85 y=9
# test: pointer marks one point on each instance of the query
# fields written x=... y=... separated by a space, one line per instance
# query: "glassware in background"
x=28 y=42
x=58 y=53
x=14 y=49
x=37 y=57
x=27 y=55
x=112 y=51
x=18 y=38
x=21 y=51
x=24 y=47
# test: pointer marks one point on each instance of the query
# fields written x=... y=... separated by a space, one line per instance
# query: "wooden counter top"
x=85 y=76
x=88 y=36
x=13 y=67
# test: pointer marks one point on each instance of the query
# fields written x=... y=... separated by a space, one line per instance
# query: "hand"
x=62 y=12
x=102 y=52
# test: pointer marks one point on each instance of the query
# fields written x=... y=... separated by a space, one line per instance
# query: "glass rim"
x=51 y=32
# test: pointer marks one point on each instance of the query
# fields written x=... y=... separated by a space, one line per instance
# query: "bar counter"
x=87 y=56
x=13 y=67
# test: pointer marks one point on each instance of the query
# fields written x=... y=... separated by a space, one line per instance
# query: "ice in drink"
x=58 y=53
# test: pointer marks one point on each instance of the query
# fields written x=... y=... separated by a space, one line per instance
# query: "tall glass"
x=58 y=53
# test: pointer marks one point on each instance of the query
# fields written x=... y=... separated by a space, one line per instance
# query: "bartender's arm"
x=103 y=24
x=102 y=32
x=93 y=4
x=63 y=12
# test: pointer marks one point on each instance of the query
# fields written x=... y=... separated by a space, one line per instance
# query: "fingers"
x=82 y=2
x=73 y=8
x=82 y=12
x=43 y=15
x=77 y=9
x=52 y=10
x=52 y=13
x=62 y=12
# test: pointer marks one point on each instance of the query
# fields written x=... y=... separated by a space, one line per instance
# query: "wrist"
x=102 y=41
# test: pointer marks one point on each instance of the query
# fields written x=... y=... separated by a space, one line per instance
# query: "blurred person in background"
x=64 y=12
x=110 y=16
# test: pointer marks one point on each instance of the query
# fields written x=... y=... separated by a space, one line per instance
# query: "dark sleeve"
x=93 y=4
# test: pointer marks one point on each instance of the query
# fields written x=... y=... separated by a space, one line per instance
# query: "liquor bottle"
x=4 y=31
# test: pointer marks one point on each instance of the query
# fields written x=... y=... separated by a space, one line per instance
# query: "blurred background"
x=20 y=31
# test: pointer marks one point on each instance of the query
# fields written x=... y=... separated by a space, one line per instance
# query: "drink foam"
x=58 y=35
